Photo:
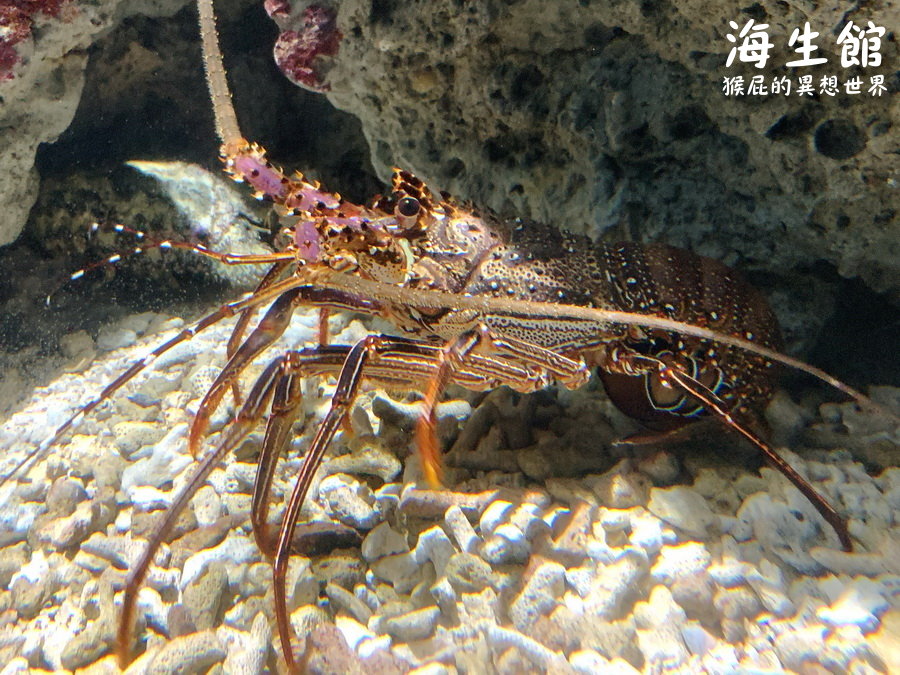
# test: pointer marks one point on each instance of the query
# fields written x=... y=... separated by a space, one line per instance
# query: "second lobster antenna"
x=220 y=95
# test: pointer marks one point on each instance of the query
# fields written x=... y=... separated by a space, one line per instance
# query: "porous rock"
x=54 y=49
x=205 y=596
x=557 y=103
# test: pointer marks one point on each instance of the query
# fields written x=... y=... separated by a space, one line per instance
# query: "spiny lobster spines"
x=374 y=241
x=412 y=236
x=313 y=217
x=447 y=239
x=246 y=162
x=413 y=204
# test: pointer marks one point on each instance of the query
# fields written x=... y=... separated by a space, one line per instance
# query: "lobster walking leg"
x=148 y=243
x=548 y=365
x=249 y=415
x=719 y=408
x=270 y=328
x=324 y=338
x=237 y=334
x=344 y=395
x=285 y=409
x=450 y=358
x=671 y=375
x=571 y=373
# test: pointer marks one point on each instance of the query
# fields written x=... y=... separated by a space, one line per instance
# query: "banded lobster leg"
x=245 y=316
x=672 y=375
x=240 y=326
x=415 y=361
x=386 y=360
x=147 y=243
x=269 y=329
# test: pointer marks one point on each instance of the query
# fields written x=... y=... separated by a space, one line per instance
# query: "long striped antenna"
x=220 y=95
x=111 y=260
x=146 y=243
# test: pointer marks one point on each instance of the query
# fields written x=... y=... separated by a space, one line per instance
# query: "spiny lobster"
x=483 y=302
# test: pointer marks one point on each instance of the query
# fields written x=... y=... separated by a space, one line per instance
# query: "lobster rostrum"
x=479 y=302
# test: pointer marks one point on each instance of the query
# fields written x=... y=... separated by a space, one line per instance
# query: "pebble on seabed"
x=615 y=572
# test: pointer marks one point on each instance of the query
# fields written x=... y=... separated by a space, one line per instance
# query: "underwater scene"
x=507 y=336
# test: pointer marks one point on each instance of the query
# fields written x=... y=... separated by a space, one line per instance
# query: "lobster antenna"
x=219 y=94
x=431 y=299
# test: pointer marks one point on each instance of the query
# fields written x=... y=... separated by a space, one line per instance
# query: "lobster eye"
x=408 y=207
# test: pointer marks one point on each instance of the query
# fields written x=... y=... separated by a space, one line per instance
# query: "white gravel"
x=620 y=571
